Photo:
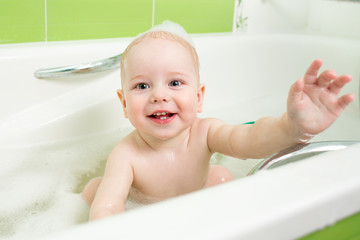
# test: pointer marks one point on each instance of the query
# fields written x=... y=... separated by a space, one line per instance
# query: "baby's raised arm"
x=312 y=107
x=115 y=186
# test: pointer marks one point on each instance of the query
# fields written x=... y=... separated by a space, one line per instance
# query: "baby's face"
x=161 y=94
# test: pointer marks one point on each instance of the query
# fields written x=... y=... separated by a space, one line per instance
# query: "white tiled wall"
x=333 y=17
x=276 y=15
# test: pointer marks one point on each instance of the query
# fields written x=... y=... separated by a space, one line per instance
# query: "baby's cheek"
x=134 y=111
x=192 y=105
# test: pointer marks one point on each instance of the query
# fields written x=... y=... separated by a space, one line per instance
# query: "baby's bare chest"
x=172 y=173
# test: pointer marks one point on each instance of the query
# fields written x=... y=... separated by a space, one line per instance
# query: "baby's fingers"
x=345 y=100
x=296 y=91
x=325 y=78
x=312 y=71
x=336 y=86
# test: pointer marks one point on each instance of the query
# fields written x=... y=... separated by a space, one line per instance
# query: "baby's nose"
x=160 y=95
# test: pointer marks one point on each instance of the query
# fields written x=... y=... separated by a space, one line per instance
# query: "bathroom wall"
x=275 y=15
x=57 y=20
x=331 y=17
x=335 y=17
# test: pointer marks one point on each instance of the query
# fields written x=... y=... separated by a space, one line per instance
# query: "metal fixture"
x=299 y=152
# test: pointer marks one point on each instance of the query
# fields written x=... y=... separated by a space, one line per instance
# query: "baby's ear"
x=121 y=96
x=200 y=96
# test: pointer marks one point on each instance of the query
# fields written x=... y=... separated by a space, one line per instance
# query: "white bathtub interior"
x=56 y=134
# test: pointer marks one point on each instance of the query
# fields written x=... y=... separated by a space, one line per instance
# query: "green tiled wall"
x=57 y=20
x=88 y=19
x=22 y=21
x=197 y=16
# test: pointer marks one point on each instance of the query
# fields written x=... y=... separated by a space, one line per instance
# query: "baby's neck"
x=164 y=144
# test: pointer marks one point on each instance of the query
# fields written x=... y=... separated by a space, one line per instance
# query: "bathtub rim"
x=294 y=218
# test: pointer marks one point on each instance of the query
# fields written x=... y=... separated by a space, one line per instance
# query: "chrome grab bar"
x=299 y=152
x=91 y=67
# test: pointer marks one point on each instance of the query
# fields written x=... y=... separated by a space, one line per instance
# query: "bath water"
x=40 y=184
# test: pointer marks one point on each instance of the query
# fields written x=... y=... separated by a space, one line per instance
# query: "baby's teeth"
x=158 y=114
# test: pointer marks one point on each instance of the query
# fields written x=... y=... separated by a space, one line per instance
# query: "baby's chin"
x=168 y=133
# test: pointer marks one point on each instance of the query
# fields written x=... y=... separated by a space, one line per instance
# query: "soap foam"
x=171 y=27
x=41 y=184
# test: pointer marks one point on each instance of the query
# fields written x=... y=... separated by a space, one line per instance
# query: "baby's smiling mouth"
x=161 y=115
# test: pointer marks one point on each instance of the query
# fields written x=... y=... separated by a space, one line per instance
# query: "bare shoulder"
x=124 y=150
x=119 y=167
x=209 y=124
x=205 y=128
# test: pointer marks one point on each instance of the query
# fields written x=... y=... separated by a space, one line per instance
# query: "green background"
x=58 y=20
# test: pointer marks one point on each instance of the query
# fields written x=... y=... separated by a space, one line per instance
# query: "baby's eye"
x=175 y=83
x=142 y=86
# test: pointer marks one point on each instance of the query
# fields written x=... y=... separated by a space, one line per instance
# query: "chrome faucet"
x=91 y=67
x=299 y=152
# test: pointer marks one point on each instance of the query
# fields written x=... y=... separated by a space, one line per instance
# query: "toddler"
x=168 y=153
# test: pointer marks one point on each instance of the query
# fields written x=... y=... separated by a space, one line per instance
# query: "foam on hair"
x=173 y=28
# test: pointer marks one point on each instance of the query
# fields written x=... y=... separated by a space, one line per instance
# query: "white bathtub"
x=53 y=131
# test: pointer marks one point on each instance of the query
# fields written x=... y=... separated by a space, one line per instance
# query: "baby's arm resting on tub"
x=312 y=106
x=114 y=188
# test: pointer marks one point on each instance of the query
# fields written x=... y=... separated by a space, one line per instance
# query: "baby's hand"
x=312 y=102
